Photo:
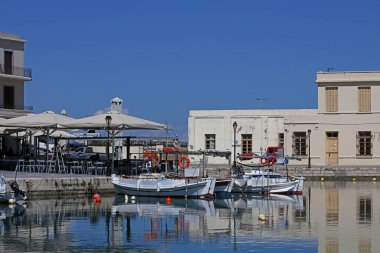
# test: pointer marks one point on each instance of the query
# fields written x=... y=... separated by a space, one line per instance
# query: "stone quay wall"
x=315 y=173
x=36 y=187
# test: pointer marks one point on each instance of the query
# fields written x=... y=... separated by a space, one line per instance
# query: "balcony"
x=17 y=107
x=16 y=72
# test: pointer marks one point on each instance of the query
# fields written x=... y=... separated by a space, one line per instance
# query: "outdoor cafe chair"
x=91 y=168
x=76 y=167
x=21 y=165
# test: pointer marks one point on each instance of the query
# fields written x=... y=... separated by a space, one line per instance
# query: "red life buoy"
x=155 y=159
x=268 y=162
x=184 y=162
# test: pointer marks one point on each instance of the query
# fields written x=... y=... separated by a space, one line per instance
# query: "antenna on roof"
x=328 y=69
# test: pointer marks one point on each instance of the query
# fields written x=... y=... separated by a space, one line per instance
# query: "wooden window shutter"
x=364 y=99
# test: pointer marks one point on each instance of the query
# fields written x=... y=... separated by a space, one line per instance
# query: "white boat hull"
x=224 y=186
x=265 y=185
x=163 y=187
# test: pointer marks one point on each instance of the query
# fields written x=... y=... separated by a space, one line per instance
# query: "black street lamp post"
x=234 y=125
x=309 y=158
x=108 y=121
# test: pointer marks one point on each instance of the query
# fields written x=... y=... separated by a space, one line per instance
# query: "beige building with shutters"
x=344 y=130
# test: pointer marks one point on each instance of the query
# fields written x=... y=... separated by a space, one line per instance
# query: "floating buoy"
x=353 y=179
x=168 y=200
x=11 y=201
x=96 y=197
x=322 y=179
x=262 y=217
x=126 y=198
x=374 y=179
x=133 y=197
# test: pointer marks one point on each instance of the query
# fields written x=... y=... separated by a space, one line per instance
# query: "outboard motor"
x=15 y=188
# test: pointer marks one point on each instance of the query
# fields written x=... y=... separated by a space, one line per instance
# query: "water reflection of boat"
x=148 y=206
x=7 y=211
x=259 y=201
x=157 y=185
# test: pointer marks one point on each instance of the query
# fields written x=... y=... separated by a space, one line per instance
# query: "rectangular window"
x=299 y=143
x=210 y=141
x=364 y=99
x=364 y=143
x=246 y=141
x=281 y=140
x=8 y=62
x=364 y=210
x=331 y=99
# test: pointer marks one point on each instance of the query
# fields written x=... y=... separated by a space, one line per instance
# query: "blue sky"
x=164 y=58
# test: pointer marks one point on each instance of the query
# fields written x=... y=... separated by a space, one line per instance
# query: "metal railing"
x=16 y=71
x=16 y=107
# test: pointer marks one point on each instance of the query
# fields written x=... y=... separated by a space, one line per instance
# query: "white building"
x=344 y=130
x=256 y=130
x=12 y=76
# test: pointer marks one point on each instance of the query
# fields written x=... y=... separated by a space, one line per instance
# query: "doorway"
x=9 y=97
x=332 y=148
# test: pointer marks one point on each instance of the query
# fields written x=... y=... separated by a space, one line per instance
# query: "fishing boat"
x=157 y=185
x=267 y=183
x=263 y=180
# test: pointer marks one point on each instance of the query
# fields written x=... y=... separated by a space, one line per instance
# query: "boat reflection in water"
x=199 y=220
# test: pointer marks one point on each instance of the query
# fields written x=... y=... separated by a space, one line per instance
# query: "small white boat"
x=259 y=181
x=13 y=195
x=157 y=185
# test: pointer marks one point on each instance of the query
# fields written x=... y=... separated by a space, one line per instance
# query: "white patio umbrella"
x=35 y=132
x=117 y=122
x=47 y=122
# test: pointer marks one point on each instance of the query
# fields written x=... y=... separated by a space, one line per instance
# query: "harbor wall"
x=65 y=186
x=315 y=173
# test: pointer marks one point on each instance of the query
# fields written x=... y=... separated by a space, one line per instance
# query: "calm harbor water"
x=329 y=217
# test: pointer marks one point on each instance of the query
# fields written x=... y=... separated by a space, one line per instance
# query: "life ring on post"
x=155 y=159
x=184 y=162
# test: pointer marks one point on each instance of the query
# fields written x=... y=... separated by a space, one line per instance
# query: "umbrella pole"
x=47 y=150
x=113 y=153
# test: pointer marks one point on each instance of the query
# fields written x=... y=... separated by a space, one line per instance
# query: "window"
x=331 y=99
x=210 y=141
x=281 y=140
x=364 y=99
x=364 y=210
x=8 y=62
x=364 y=143
x=299 y=143
x=246 y=141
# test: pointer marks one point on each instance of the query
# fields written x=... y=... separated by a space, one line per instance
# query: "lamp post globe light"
x=108 y=122
x=234 y=125
x=309 y=158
